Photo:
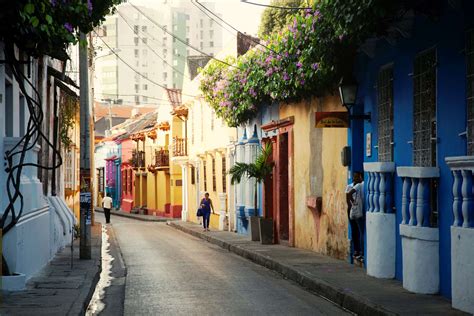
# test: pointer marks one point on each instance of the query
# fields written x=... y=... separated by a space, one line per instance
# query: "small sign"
x=368 y=144
x=332 y=119
x=85 y=205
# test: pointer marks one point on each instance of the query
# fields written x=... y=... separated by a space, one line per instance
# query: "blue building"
x=417 y=152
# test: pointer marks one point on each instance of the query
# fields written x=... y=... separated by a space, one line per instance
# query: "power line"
x=178 y=38
x=139 y=95
x=275 y=6
x=210 y=17
x=231 y=26
x=126 y=22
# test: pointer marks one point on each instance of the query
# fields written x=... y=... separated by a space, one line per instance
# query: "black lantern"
x=348 y=94
x=348 y=91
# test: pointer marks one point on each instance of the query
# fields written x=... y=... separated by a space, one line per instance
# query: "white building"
x=132 y=47
x=44 y=224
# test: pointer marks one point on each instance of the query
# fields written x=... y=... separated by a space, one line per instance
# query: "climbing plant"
x=68 y=115
x=306 y=58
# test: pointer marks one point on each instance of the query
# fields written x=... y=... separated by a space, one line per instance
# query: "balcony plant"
x=260 y=170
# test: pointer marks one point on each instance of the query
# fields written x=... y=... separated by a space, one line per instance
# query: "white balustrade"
x=379 y=186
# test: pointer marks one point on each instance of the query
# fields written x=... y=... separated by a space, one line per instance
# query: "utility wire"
x=132 y=95
x=210 y=17
x=131 y=27
x=133 y=69
x=274 y=6
x=231 y=26
x=177 y=37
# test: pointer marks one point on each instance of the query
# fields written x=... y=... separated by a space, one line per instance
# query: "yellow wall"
x=318 y=173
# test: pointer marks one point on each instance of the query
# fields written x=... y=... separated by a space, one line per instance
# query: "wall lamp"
x=348 y=93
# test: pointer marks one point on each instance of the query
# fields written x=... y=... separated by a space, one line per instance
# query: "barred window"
x=385 y=113
x=224 y=173
x=214 y=180
x=470 y=91
x=424 y=109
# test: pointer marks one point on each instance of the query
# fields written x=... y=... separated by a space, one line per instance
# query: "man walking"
x=107 y=205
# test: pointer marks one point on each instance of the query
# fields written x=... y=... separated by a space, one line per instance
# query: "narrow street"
x=171 y=273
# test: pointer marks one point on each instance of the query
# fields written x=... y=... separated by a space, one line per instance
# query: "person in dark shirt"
x=206 y=206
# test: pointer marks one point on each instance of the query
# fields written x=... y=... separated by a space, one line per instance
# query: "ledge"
x=418 y=172
x=421 y=233
x=379 y=166
x=460 y=162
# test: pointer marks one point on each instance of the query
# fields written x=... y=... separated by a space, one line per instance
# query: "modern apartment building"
x=134 y=55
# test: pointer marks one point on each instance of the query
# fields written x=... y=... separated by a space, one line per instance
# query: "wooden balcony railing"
x=162 y=158
x=179 y=147
x=138 y=159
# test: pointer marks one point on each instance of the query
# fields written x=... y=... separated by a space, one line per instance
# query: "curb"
x=349 y=301
x=136 y=217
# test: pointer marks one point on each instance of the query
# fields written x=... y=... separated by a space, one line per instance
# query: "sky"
x=244 y=17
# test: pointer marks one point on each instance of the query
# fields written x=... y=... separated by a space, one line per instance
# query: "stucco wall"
x=320 y=174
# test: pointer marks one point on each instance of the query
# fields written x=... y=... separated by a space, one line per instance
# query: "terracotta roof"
x=101 y=110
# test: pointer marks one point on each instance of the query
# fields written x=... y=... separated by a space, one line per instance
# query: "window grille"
x=193 y=175
x=224 y=173
x=385 y=114
x=424 y=110
x=214 y=180
x=470 y=92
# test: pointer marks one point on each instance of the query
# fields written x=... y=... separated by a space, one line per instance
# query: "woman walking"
x=206 y=206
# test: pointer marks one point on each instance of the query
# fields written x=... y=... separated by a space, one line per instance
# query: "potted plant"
x=259 y=170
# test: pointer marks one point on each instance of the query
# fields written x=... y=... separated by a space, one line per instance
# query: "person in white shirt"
x=355 y=206
x=107 y=205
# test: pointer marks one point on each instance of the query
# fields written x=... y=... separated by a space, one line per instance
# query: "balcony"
x=138 y=159
x=179 y=147
x=162 y=158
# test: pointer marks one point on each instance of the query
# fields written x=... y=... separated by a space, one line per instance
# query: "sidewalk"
x=145 y=218
x=337 y=280
x=57 y=289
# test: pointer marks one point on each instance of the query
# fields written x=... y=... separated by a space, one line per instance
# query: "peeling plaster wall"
x=320 y=174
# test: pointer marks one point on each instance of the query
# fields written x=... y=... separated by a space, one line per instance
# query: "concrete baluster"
x=422 y=204
x=467 y=203
x=375 y=197
x=457 y=198
x=405 y=202
x=370 y=187
x=382 y=193
x=414 y=186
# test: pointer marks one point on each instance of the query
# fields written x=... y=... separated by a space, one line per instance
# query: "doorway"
x=283 y=198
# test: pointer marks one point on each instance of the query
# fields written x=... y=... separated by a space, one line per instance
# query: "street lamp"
x=348 y=94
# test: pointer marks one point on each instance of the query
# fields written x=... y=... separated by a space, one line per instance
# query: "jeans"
x=107 y=215
x=206 y=217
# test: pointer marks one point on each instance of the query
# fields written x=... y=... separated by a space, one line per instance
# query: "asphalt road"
x=172 y=273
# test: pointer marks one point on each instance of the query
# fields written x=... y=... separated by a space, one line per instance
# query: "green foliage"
x=306 y=58
x=69 y=107
x=259 y=170
x=47 y=27
x=274 y=20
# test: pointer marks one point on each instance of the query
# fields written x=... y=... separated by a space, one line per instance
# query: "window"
x=136 y=51
x=202 y=34
x=205 y=175
x=136 y=88
x=214 y=181
x=8 y=109
x=135 y=40
x=165 y=51
x=144 y=40
x=201 y=23
x=424 y=110
x=385 y=114
x=165 y=76
x=424 y=121
x=135 y=29
x=201 y=45
x=211 y=33
x=22 y=115
x=193 y=175
x=470 y=92
x=145 y=99
x=224 y=174
x=211 y=44
x=101 y=179
x=211 y=23
x=144 y=28
x=145 y=87
x=68 y=171
x=137 y=99
x=187 y=40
